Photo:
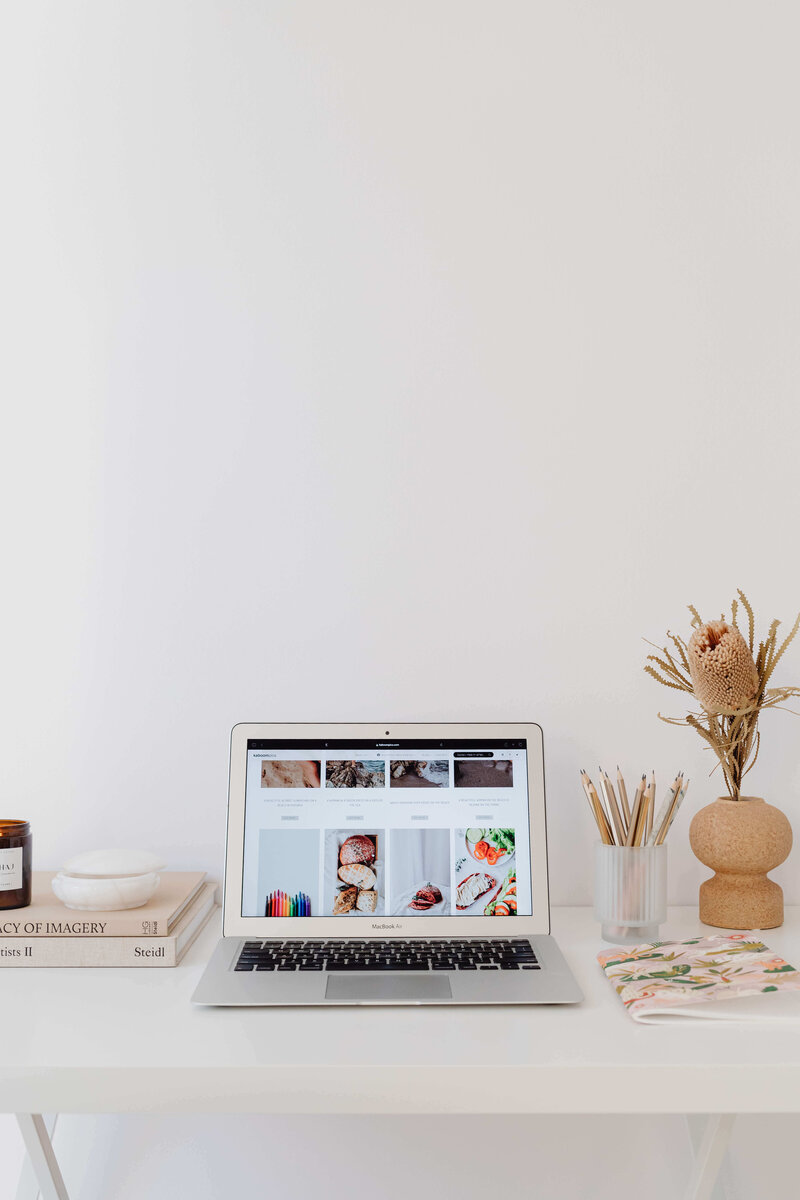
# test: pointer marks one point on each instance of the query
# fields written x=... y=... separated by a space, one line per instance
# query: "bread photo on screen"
x=358 y=848
x=354 y=866
x=345 y=900
x=367 y=901
x=359 y=874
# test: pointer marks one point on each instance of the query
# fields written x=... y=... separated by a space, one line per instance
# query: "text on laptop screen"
x=386 y=828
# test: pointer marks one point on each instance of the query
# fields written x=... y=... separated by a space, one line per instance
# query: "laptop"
x=386 y=864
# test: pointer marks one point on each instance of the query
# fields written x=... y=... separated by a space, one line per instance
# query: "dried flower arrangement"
x=729 y=678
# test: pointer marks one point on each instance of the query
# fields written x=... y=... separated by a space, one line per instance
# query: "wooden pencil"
x=636 y=838
x=620 y=807
x=597 y=811
x=599 y=804
x=676 y=803
x=634 y=817
x=623 y=797
x=650 y=808
x=636 y=813
x=590 y=802
x=613 y=807
x=647 y=802
x=661 y=832
x=641 y=824
x=664 y=810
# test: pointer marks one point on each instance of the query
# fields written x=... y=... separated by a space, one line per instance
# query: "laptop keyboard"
x=434 y=954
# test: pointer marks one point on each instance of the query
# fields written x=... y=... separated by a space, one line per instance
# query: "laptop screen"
x=386 y=828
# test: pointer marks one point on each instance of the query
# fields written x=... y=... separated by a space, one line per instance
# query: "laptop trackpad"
x=399 y=989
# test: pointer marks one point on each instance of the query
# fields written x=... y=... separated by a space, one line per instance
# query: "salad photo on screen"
x=504 y=903
x=490 y=846
x=484 y=873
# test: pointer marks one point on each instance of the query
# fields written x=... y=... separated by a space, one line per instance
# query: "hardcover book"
x=104 y=951
x=734 y=978
x=48 y=917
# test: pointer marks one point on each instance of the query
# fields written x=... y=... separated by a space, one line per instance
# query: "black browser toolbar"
x=452 y=744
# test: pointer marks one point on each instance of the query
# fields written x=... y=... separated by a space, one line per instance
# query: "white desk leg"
x=709 y=1155
x=42 y=1159
x=28 y=1185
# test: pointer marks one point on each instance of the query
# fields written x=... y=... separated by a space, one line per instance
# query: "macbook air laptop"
x=386 y=864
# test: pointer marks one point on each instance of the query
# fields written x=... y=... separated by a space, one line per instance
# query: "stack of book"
x=158 y=934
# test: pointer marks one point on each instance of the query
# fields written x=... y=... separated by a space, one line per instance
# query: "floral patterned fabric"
x=654 y=979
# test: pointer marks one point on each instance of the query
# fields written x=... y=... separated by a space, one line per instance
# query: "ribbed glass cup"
x=630 y=892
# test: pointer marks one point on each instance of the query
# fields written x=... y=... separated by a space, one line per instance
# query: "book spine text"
x=88 y=952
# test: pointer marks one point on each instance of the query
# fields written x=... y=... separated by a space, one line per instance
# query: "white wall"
x=406 y=360
x=387 y=360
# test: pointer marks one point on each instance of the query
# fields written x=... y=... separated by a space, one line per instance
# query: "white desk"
x=92 y=1041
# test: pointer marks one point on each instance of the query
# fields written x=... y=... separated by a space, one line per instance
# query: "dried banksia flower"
x=730 y=678
x=723 y=673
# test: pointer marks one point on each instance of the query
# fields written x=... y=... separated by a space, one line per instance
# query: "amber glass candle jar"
x=15 y=864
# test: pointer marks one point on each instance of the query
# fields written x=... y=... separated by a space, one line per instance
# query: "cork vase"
x=741 y=840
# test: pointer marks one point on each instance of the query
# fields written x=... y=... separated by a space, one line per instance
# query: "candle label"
x=10 y=869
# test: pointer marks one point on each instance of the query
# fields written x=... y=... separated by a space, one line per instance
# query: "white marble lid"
x=113 y=863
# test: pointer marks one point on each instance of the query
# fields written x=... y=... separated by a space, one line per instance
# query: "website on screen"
x=388 y=828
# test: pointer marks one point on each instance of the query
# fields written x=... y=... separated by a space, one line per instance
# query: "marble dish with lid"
x=108 y=880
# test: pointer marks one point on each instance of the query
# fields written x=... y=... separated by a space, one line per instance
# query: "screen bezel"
x=235 y=925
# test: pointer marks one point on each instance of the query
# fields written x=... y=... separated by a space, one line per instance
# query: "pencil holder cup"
x=630 y=892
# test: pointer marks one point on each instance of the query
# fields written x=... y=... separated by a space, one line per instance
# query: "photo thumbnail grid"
x=398 y=872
